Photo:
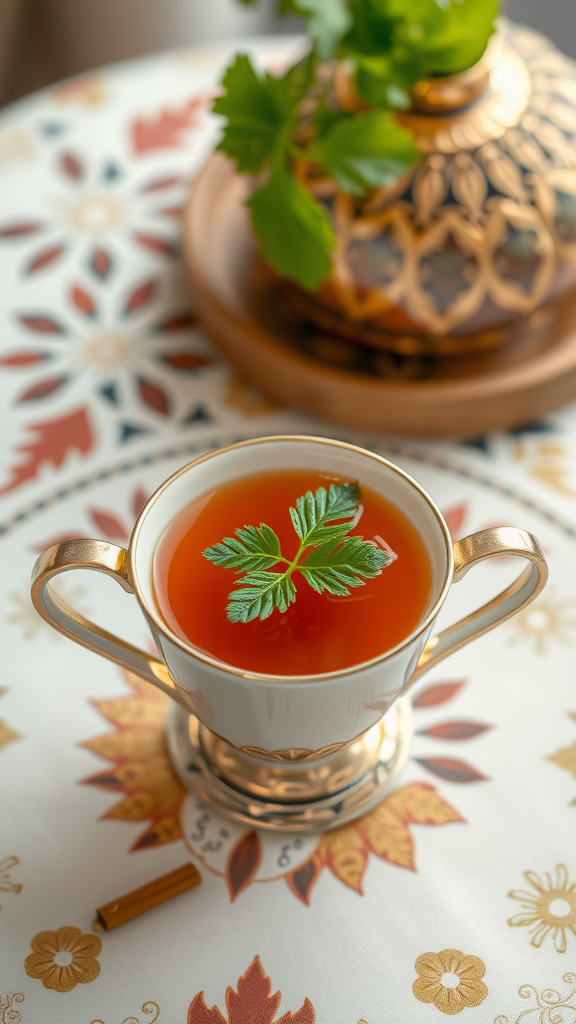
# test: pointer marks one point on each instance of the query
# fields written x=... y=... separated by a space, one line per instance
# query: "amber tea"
x=319 y=632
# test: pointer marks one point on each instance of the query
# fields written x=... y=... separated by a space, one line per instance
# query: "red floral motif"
x=451 y=770
x=21 y=359
x=448 y=768
x=243 y=863
x=123 y=355
x=250 y=1003
x=44 y=259
x=54 y=440
x=106 y=523
x=438 y=693
x=166 y=130
x=97 y=209
x=455 y=519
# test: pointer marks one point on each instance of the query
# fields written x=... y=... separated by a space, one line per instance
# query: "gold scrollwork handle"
x=468 y=552
x=112 y=560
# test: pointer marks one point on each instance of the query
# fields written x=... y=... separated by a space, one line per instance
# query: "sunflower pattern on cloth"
x=548 y=908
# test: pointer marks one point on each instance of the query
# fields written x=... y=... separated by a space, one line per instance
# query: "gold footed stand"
x=306 y=795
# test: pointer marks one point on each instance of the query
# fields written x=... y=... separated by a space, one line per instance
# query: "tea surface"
x=320 y=632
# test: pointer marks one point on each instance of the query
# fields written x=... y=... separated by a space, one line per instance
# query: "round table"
x=458 y=893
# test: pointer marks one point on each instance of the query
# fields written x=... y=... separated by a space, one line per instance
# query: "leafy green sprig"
x=334 y=561
x=387 y=46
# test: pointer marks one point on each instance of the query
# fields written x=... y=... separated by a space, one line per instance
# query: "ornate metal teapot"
x=482 y=232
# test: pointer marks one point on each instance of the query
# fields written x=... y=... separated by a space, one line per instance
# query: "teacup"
x=279 y=751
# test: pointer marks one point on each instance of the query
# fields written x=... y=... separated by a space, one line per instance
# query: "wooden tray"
x=252 y=320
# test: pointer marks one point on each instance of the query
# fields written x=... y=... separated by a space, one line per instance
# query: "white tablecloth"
x=458 y=894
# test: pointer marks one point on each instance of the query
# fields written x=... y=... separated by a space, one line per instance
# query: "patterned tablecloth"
x=458 y=893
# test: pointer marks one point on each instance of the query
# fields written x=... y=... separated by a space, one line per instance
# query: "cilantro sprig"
x=333 y=561
x=388 y=46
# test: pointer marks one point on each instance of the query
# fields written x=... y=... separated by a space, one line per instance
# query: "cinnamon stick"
x=139 y=901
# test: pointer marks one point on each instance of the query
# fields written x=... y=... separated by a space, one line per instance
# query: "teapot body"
x=482 y=231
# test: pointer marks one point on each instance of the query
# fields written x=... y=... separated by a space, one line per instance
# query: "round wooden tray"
x=252 y=318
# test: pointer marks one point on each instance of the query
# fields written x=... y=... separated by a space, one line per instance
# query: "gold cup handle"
x=468 y=552
x=113 y=560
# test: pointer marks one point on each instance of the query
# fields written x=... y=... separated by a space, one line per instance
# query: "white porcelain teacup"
x=277 y=739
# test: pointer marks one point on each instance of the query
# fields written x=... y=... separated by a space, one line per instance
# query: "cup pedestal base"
x=297 y=792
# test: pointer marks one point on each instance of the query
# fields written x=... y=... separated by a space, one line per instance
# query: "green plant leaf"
x=366 y=151
x=253 y=549
x=326 y=22
x=346 y=565
x=447 y=37
x=314 y=511
x=258 y=594
x=294 y=231
x=395 y=43
x=259 y=111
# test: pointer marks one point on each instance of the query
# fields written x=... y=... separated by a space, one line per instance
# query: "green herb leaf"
x=314 y=511
x=335 y=561
x=258 y=594
x=295 y=233
x=367 y=151
x=253 y=548
x=346 y=565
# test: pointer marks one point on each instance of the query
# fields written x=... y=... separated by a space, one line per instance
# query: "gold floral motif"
x=502 y=173
x=508 y=291
x=8 y=1013
x=547 y=463
x=7 y=735
x=450 y=980
x=64 y=958
x=566 y=757
x=451 y=233
x=430 y=187
x=149 y=1008
x=548 y=187
x=87 y=91
x=32 y=624
x=549 y=618
x=549 y=1004
x=363 y=298
x=15 y=145
x=525 y=151
x=468 y=184
x=384 y=831
x=549 y=909
x=6 y=865
x=242 y=395
x=292 y=753
x=141 y=772
x=553 y=141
